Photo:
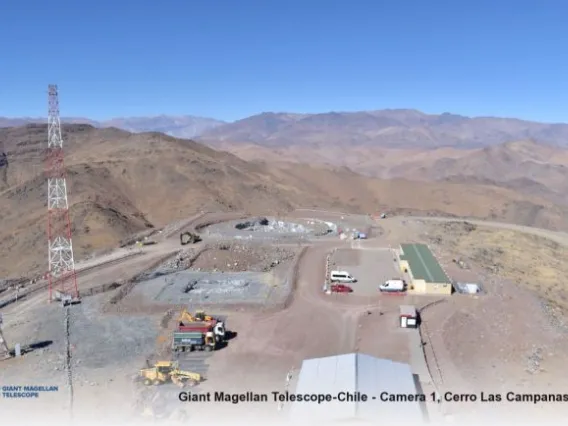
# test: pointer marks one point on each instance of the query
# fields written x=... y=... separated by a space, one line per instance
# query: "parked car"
x=341 y=288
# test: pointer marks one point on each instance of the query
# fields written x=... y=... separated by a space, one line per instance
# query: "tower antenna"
x=61 y=273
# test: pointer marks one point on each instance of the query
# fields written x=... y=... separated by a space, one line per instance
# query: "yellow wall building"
x=426 y=275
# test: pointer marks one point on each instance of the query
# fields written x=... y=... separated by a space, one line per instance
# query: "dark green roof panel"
x=423 y=264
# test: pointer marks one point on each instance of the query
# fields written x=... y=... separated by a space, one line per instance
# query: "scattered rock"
x=241 y=257
x=535 y=359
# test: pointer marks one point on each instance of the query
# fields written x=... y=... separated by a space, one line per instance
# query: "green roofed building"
x=426 y=274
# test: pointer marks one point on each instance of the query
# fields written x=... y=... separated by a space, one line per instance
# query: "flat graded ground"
x=379 y=334
x=183 y=288
x=344 y=258
x=371 y=267
x=240 y=257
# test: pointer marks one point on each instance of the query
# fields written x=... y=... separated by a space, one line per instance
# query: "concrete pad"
x=370 y=267
x=238 y=287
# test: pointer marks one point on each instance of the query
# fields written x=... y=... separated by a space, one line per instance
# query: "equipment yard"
x=269 y=297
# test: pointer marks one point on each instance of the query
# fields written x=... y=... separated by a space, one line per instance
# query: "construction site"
x=228 y=302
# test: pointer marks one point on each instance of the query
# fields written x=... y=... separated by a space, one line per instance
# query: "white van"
x=341 y=277
x=393 y=286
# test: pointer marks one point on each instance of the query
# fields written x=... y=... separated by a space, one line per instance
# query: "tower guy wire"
x=61 y=273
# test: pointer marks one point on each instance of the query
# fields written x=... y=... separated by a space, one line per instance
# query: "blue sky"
x=229 y=59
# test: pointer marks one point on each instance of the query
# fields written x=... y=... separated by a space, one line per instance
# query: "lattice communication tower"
x=61 y=273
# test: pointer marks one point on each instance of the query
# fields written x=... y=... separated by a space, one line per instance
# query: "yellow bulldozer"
x=168 y=371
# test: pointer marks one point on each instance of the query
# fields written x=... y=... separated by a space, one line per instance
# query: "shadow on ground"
x=32 y=347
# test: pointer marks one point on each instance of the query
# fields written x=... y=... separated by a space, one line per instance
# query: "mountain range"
x=385 y=128
x=121 y=183
x=390 y=144
x=391 y=128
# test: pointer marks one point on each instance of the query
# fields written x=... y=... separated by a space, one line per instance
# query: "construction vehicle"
x=168 y=371
x=216 y=327
x=204 y=323
x=194 y=341
x=185 y=316
x=188 y=238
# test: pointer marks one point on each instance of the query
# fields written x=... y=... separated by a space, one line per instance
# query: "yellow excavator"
x=199 y=316
x=168 y=371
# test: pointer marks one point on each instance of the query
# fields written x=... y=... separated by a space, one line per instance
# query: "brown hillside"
x=121 y=183
x=534 y=169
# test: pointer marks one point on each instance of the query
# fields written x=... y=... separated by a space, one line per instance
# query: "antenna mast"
x=61 y=274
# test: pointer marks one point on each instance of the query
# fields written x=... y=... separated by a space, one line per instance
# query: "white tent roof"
x=356 y=373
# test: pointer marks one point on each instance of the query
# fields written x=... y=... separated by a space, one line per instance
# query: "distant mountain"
x=185 y=126
x=535 y=169
x=385 y=128
x=391 y=128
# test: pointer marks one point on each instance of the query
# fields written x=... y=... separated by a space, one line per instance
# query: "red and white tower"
x=61 y=273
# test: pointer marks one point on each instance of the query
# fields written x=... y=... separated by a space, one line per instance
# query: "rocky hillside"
x=121 y=183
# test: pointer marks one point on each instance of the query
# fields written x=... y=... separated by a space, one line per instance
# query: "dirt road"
x=557 y=236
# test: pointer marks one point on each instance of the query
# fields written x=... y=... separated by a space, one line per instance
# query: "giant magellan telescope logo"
x=26 y=391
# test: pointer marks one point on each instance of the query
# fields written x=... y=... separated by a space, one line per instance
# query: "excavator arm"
x=185 y=316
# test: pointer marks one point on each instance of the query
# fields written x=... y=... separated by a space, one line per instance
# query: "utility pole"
x=61 y=273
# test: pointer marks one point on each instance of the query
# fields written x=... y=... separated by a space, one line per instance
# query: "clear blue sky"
x=229 y=59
